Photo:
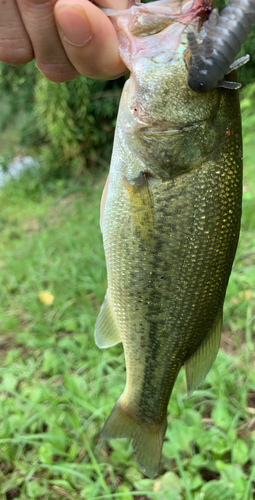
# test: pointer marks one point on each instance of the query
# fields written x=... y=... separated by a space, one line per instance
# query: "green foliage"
x=71 y=125
x=248 y=112
x=17 y=90
x=57 y=388
x=77 y=121
x=18 y=84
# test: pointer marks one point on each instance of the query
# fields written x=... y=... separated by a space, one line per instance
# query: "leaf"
x=215 y=490
x=144 y=484
x=197 y=462
x=132 y=474
x=234 y=477
x=193 y=418
x=124 y=488
x=46 y=298
x=10 y=382
x=221 y=416
x=34 y=489
x=229 y=472
x=90 y=491
x=46 y=453
x=240 y=452
x=252 y=453
x=180 y=436
x=168 y=487
x=64 y=485
x=194 y=482
x=122 y=450
x=220 y=447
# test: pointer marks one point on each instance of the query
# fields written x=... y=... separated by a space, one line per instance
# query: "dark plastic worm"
x=225 y=36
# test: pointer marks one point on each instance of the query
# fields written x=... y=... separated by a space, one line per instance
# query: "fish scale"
x=170 y=221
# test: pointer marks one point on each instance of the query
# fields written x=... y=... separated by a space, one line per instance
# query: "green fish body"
x=170 y=219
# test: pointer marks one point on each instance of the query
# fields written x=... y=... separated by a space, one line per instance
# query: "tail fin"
x=147 y=440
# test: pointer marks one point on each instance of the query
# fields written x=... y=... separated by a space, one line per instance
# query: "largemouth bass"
x=170 y=218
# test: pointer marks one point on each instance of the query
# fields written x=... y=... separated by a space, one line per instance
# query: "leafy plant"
x=77 y=121
x=71 y=125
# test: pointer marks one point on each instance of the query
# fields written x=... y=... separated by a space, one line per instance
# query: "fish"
x=170 y=219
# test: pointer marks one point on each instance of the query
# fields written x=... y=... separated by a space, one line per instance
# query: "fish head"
x=157 y=103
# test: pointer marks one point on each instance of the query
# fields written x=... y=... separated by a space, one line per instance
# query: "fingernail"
x=74 y=24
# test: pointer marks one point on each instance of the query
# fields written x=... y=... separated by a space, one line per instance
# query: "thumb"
x=89 y=39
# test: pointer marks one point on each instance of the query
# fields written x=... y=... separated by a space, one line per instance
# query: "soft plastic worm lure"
x=225 y=36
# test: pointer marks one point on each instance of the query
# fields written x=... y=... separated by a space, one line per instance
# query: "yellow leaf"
x=235 y=300
x=46 y=298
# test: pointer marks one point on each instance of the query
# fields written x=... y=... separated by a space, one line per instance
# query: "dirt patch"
x=228 y=343
x=65 y=205
x=30 y=226
x=7 y=342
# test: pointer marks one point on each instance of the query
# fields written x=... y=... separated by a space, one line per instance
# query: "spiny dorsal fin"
x=106 y=330
x=199 y=364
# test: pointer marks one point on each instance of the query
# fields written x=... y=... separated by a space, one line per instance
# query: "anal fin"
x=106 y=330
x=199 y=364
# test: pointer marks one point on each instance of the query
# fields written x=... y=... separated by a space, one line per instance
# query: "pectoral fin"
x=199 y=364
x=141 y=206
x=106 y=330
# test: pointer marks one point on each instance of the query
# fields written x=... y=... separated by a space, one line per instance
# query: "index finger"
x=89 y=38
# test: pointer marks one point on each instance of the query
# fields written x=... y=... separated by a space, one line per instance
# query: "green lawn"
x=57 y=387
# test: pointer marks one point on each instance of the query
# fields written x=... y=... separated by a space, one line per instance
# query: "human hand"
x=66 y=37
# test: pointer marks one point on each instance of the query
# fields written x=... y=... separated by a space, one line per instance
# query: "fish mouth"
x=152 y=29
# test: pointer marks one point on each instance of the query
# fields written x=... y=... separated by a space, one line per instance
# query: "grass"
x=57 y=387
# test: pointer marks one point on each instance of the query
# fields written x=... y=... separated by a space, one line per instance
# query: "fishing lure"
x=225 y=36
